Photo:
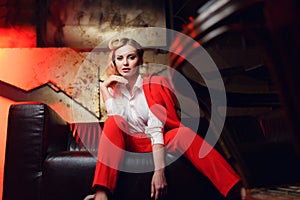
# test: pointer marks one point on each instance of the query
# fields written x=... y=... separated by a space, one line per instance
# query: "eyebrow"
x=127 y=54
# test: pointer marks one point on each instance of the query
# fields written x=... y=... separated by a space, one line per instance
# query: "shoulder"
x=157 y=80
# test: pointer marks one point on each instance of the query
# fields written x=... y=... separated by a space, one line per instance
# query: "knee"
x=182 y=136
x=114 y=124
x=181 y=133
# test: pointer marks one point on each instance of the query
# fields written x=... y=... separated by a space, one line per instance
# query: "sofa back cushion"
x=84 y=136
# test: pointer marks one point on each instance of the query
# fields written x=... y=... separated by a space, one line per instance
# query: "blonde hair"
x=115 y=44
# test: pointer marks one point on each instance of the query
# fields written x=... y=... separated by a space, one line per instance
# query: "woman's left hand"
x=158 y=184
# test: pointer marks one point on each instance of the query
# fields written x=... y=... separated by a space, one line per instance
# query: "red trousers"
x=115 y=139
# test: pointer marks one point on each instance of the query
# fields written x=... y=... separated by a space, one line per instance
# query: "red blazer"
x=162 y=101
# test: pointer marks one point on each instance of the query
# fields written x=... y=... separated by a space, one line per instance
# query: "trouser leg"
x=110 y=152
x=114 y=141
x=213 y=165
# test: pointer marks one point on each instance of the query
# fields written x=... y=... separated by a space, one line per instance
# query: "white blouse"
x=135 y=110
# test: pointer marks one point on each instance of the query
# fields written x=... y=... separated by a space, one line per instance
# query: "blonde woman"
x=142 y=118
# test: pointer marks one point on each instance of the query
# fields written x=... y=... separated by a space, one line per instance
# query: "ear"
x=141 y=61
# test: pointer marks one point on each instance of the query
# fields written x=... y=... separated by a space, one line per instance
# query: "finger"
x=152 y=190
x=157 y=194
x=120 y=79
x=162 y=193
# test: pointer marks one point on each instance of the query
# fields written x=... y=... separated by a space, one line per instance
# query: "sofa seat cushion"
x=75 y=169
x=68 y=175
x=183 y=179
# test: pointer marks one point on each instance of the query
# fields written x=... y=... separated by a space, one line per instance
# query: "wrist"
x=160 y=170
x=104 y=89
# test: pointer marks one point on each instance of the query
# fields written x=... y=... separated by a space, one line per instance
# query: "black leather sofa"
x=48 y=158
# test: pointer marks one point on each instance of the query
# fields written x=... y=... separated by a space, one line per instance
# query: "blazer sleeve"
x=162 y=100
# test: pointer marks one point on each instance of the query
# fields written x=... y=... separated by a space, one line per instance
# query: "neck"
x=131 y=81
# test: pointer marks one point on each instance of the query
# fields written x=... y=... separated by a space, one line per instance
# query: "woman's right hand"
x=109 y=82
x=113 y=79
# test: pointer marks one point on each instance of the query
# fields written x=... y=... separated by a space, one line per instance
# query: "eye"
x=132 y=57
x=119 y=58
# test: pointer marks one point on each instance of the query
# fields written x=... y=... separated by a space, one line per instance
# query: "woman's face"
x=127 y=61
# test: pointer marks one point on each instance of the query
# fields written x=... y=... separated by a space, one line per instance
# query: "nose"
x=125 y=61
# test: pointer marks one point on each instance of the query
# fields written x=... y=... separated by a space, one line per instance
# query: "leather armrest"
x=34 y=130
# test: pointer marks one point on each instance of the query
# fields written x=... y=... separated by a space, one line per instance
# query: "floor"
x=291 y=192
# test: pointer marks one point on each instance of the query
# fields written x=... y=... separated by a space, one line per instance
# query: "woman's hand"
x=109 y=82
x=158 y=184
x=113 y=79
